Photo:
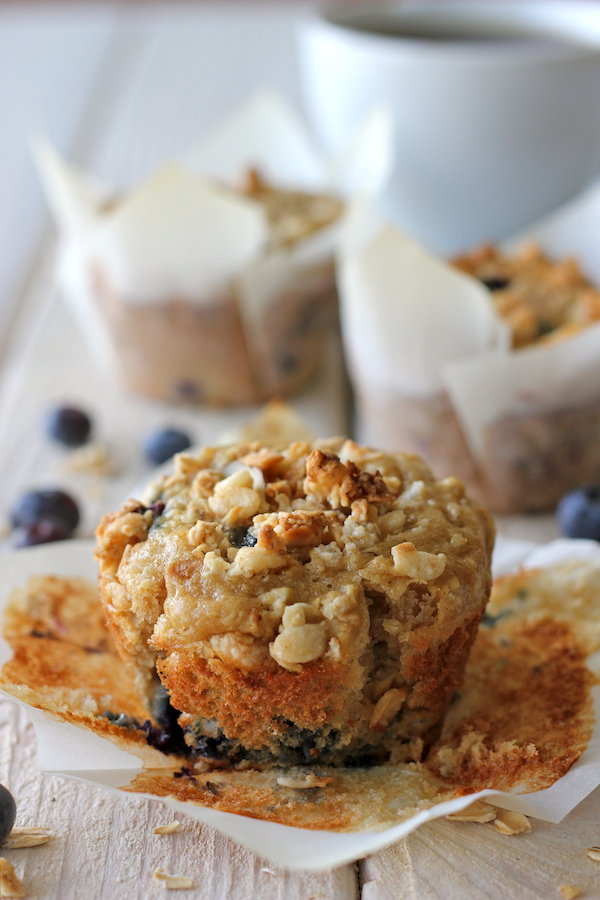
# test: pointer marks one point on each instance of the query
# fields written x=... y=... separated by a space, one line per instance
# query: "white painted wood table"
x=119 y=88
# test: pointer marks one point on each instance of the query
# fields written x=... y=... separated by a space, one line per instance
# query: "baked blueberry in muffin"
x=310 y=603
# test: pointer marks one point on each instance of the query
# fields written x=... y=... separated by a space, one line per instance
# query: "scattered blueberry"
x=44 y=531
x=35 y=506
x=578 y=513
x=8 y=813
x=69 y=425
x=162 y=445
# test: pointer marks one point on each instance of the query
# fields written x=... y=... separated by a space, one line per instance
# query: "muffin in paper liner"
x=212 y=281
x=333 y=589
x=533 y=751
x=512 y=410
x=405 y=316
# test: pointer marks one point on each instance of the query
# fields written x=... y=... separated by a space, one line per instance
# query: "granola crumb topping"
x=541 y=299
x=341 y=483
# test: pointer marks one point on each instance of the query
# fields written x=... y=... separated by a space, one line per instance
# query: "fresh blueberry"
x=35 y=506
x=8 y=813
x=578 y=513
x=161 y=445
x=44 y=531
x=69 y=425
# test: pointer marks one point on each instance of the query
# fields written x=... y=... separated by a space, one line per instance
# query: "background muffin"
x=311 y=603
x=488 y=368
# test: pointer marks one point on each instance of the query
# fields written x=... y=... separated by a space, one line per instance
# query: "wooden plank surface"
x=148 y=83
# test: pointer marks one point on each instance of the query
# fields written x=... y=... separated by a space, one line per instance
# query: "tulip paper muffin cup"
x=434 y=373
x=196 y=287
x=75 y=752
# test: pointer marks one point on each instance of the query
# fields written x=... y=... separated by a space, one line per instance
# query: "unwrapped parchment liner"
x=177 y=284
x=434 y=372
x=74 y=752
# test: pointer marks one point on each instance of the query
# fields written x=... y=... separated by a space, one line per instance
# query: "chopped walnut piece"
x=235 y=499
x=512 y=823
x=417 y=564
x=297 y=528
x=173 y=882
x=569 y=891
x=169 y=828
x=268 y=461
x=204 y=483
x=26 y=837
x=593 y=853
x=340 y=484
x=10 y=885
x=300 y=639
x=475 y=812
x=307 y=781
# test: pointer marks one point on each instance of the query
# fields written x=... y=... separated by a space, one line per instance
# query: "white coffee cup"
x=496 y=107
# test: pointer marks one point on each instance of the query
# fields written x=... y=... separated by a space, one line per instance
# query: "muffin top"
x=259 y=555
x=540 y=299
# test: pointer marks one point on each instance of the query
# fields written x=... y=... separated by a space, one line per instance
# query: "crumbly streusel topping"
x=540 y=299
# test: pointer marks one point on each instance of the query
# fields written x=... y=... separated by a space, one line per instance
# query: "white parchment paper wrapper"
x=558 y=384
x=74 y=752
x=533 y=379
x=406 y=315
x=186 y=235
x=519 y=428
x=538 y=380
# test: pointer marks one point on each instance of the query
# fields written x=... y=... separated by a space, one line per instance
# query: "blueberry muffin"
x=545 y=443
x=310 y=603
x=255 y=334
